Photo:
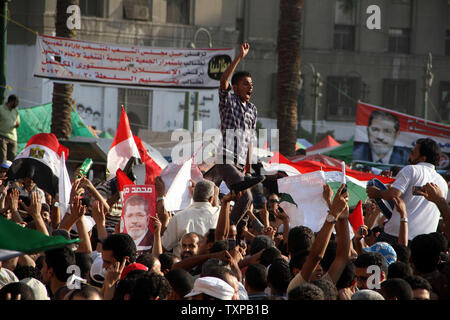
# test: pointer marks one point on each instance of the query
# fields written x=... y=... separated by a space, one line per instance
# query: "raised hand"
x=243 y=49
x=98 y=212
x=327 y=194
x=36 y=205
x=400 y=206
x=157 y=225
x=113 y=272
x=431 y=192
x=339 y=202
x=160 y=186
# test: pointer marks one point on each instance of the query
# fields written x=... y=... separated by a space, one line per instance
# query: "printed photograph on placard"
x=139 y=204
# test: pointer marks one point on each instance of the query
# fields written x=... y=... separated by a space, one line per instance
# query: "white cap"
x=39 y=289
x=212 y=286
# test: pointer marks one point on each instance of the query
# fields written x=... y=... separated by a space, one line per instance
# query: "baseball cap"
x=39 y=289
x=6 y=164
x=212 y=286
x=132 y=267
x=385 y=249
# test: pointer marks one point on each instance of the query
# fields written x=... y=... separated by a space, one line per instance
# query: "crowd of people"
x=238 y=245
x=198 y=253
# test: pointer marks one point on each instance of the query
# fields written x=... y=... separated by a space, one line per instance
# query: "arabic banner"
x=139 y=205
x=386 y=136
x=77 y=60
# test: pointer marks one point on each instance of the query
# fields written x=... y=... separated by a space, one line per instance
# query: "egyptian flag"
x=40 y=161
x=122 y=148
x=152 y=167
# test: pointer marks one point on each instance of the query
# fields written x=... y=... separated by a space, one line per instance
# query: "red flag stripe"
x=50 y=141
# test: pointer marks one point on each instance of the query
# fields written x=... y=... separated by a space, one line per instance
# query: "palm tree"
x=288 y=78
x=62 y=93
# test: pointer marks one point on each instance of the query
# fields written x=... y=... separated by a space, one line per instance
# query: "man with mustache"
x=136 y=220
x=382 y=131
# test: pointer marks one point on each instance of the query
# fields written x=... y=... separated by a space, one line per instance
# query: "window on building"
x=138 y=107
x=178 y=11
x=399 y=95
x=444 y=99
x=342 y=96
x=344 y=37
x=92 y=8
x=447 y=42
x=344 y=25
x=137 y=9
x=399 y=40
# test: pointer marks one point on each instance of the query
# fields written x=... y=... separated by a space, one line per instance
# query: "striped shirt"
x=238 y=123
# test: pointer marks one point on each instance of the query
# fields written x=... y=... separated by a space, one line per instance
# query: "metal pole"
x=186 y=110
x=196 y=106
x=3 y=45
x=428 y=80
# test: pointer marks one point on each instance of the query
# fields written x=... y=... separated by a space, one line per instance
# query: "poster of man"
x=386 y=136
x=139 y=204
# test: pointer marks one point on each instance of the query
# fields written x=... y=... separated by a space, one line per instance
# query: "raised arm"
x=157 y=248
x=323 y=237
x=403 y=233
x=35 y=212
x=163 y=214
x=343 y=246
x=243 y=50
x=433 y=193
x=223 y=222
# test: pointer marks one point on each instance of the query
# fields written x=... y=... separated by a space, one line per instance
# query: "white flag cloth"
x=64 y=187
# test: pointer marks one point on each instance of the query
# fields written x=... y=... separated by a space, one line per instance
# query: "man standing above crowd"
x=423 y=215
x=9 y=122
x=238 y=122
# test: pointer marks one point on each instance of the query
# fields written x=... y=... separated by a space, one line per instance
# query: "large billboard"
x=387 y=137
x=81 y=61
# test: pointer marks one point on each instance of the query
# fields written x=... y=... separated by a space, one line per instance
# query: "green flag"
x=16 y=240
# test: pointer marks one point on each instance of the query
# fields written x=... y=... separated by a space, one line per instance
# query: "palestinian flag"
x=40 y=160
x=356 y=217
x=306 y=188
x=16 y=240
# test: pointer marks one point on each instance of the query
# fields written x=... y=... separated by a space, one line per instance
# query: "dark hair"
x=87 y=292
x=367 y=259
x=218 y=246
x=384 y=114
x=121 y=245
x=441 y=239
x=329 y=256
x=255 y=277
x=300 y=238
x=16 y=288
x=60 y=259
x=147 y=259
x=167 y=260
x=329 y=289
x=298 y=260
x=269 y=255
x=261 y=242
x=12 y=98
x=181 y=281
x=430 y=149
x=23 y=272
x=149 y=286
x=210 y=235
x=347 y=276
x=84 y=261
x=396 y=288
x=425 y=252
x=399 y=270
x=306 y=291
x=279 y=275
x=402 y=251
x=238 y=75
x=418 y=282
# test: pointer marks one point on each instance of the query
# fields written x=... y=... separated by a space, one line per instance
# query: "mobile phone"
x=344 y=190
x=415 y=189
x=231 y=244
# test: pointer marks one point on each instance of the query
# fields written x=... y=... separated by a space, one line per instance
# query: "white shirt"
x=199 y=217
x=423 y=215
